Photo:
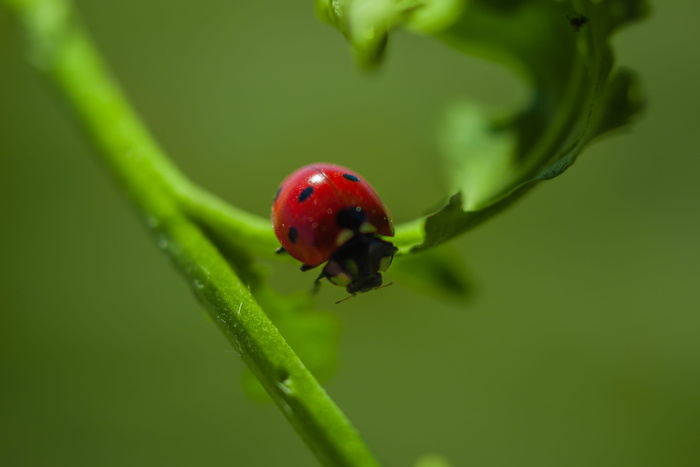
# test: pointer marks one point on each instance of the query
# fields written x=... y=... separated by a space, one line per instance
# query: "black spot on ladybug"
x=577 y=21
x=351 y=218
x=277 y=195
x=292 y=235
x=351 y=177
x=304 y=195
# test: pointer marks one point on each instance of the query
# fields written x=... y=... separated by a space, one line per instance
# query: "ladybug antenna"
x=376 y=288
x=346 y=298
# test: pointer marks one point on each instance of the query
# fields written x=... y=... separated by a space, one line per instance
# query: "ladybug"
x=325 y=213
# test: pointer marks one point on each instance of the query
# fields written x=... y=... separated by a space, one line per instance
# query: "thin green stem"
x=238 y=227
x=60 y=48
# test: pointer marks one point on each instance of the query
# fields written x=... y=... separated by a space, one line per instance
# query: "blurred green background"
x=581 y=348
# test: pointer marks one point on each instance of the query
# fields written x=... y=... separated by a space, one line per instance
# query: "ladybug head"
x=357 y=264
x=365 y=284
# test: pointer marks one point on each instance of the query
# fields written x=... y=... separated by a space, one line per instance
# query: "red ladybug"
x=324 y=212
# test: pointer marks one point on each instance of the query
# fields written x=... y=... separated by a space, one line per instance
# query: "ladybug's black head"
x=365 y=284
x=357 y=264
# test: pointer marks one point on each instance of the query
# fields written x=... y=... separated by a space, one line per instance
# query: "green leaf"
x=562 y=51
x=366 y=23
x=313 y=334
x=432 y=460
x=438 y=272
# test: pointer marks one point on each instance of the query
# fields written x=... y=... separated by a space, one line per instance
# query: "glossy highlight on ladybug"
x=325 y=213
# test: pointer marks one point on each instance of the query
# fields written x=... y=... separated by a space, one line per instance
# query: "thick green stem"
x=63 y=52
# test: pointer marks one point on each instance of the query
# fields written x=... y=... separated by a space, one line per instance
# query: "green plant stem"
x=62 y=51
x=238 y=227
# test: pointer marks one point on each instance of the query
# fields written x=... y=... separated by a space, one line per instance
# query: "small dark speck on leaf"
x=577 y=21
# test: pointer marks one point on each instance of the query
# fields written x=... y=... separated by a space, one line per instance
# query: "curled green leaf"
x=560 y=49
x=366 y=23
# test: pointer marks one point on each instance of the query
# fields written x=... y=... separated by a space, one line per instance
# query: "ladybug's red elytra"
x=325 y=212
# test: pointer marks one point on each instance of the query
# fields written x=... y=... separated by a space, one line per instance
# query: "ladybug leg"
x=280 y=250
x=306 y=267
x=317 y=283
